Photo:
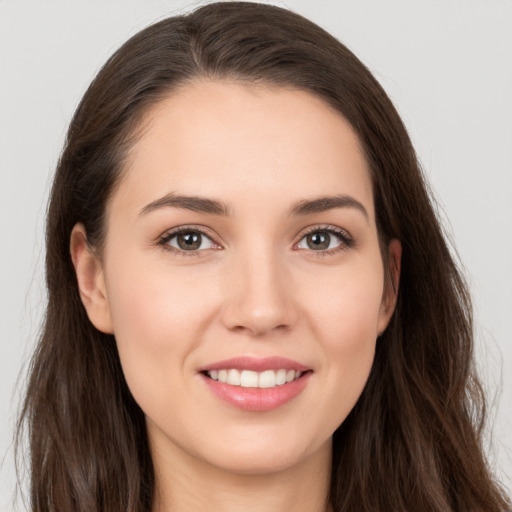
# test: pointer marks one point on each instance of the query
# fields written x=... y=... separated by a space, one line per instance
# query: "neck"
x=185 y=483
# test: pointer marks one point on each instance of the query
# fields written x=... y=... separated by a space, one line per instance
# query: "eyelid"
x=164 y=238
x=347 y=241
x=343 y=235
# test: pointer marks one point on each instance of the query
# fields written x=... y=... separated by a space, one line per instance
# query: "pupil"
x=319 y=241
x=189 y=241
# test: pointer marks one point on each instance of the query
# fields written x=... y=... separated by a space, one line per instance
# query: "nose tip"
x=257 y=321
x=260 y=302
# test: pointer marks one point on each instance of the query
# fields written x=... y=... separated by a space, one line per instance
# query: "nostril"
x=258 y=315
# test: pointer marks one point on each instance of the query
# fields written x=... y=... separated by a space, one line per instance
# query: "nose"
x=258 y=295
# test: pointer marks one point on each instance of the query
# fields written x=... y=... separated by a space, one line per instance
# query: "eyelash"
x=164 y=240
x=346 y=240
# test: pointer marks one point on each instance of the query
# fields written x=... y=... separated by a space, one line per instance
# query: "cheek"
x=152 y=305
x=157 y=318
x=346 y=312
x=345 y=322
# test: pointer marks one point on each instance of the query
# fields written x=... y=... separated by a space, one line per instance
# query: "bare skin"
x=268 y=277
x=231 y=492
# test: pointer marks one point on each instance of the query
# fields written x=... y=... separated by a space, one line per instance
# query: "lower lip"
x=257 y=399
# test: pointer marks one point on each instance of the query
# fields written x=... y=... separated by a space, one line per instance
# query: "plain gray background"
x=447 y=65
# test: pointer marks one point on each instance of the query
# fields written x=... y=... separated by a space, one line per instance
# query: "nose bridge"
x=259 y=299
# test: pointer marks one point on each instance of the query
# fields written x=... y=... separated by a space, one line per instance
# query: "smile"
x=256 y=384
x=252 y=379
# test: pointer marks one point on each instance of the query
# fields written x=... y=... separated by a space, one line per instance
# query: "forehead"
x=246 y=144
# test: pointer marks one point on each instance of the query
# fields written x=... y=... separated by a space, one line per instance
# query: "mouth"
x=256 y=384
x=252 y=379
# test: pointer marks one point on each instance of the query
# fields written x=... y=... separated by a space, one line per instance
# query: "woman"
x=314 y=352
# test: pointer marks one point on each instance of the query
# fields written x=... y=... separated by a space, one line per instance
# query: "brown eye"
x=324 y=240
x=318 y=241
x=190 y=241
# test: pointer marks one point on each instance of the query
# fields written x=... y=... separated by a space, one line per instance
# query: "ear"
x=392 y=279
x=91 y=280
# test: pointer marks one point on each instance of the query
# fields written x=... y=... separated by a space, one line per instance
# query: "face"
x=242 y=275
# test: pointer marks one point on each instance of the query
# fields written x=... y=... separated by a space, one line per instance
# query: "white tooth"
x=214 y=374
x=233 y=377
x=223 y=376
x=280 y=377
x=249 y=379
x=298 y=374
x=267 y=379
x=290 y=375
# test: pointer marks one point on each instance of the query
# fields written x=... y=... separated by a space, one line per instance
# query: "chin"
x=265 y=458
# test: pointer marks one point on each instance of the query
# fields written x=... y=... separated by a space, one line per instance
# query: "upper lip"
x=255 y=364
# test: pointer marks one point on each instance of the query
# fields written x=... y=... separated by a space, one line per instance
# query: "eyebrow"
x=216 y=207
x=323 y=204
x=193 y=203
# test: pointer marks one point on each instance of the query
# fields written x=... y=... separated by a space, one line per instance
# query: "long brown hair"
x=413 y=442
